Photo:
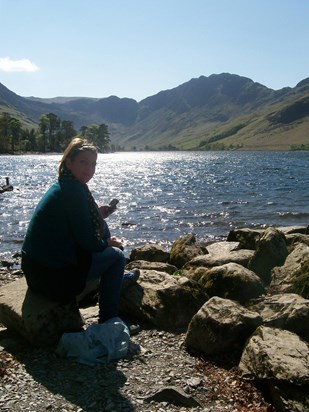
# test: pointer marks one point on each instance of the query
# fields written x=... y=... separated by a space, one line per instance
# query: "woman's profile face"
x=83 y=165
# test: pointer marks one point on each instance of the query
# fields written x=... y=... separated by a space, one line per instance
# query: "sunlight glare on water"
x=166 y=194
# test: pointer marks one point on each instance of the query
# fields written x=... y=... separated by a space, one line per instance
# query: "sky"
x=137 y=48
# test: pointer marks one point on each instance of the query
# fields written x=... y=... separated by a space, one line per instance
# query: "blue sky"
x=136 y=48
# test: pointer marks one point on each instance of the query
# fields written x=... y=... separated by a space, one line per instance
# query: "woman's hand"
x=106 y=210
x=113 y=241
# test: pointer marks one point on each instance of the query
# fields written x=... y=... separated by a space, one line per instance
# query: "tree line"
x=51 y=135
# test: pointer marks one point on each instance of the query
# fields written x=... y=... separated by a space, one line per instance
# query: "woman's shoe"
x=134 y=328
x=130 y=278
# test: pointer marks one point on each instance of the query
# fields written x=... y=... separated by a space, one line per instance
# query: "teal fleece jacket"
x=60 y=226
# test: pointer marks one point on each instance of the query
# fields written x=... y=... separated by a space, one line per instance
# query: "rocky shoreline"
x=37 y=380
x=168 y=368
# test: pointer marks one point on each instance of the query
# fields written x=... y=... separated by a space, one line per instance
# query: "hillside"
x=219 y=111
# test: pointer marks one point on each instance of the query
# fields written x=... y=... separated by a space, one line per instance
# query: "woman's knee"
x=117 y=254
x=113 y=256
x=109 y=259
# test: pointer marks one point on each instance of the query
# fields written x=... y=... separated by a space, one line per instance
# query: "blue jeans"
x=108 y=267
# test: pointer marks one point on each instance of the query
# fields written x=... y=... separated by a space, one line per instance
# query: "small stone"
x=173 y=395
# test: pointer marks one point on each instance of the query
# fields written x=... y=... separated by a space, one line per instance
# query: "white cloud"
x=22 y=65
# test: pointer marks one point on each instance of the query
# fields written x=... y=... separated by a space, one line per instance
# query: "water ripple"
x=165 y=195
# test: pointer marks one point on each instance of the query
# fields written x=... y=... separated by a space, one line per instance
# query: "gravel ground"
x=157 y=375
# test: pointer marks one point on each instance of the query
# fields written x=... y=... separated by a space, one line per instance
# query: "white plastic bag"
x=99 y=343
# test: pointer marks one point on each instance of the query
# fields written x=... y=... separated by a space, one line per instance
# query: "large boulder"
x=230 y=281
x=276 y=353
x=293 y=239
x=39 y=320
x=271 y=251
x=220 y=248
x=293 y=276
x=242 y=257
x=150 y=252
x=300 y=280
x=221 y=325
x=163 y=300
x=285 y=311
x=159 y=266
x=90 y=293
x=289 y=230
x=246 y=237
x=184 y=249
x=279 y=359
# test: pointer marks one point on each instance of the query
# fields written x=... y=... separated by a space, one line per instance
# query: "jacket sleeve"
x=79 y=219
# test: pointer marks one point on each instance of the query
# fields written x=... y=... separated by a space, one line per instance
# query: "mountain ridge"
x=226 y=108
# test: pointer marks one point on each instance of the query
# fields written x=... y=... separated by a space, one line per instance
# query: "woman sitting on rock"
x=68 y=242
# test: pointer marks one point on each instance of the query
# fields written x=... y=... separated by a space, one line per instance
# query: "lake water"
x=164 y=195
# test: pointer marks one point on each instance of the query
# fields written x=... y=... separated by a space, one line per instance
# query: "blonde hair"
x=76 y=146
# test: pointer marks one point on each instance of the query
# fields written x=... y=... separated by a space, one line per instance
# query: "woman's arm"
x=79 y=217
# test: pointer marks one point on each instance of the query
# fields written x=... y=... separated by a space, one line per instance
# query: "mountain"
x=220 y=111
x=24 y=109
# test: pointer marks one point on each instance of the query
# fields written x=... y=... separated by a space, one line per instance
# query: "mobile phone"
x=113 y=203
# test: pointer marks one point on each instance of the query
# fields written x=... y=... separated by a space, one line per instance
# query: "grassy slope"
x=26 y=122
x=186 y=131
x=258 y=131
x=262 y=134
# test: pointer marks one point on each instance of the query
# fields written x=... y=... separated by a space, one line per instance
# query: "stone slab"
x=39 y=320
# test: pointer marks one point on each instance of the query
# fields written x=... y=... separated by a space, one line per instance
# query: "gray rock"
x=273 y=353
x=163 y=300
x=286 y=311
x=242 y=257
x=288 y=230
x=184 y=249
x=271 y=251
x=286 y=397
x=218 y=249
x=173 y=395
x=280 y=360
x=230 y=281
x=39 y=320
x=293 y=239
x=159 y=266
x=293 y=276
x=221 y=325
x=246 y=237
x=151 y=253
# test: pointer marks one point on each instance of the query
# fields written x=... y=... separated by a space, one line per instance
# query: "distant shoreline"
x=163 y=151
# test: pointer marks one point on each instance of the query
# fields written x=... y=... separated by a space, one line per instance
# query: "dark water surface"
x=166 y=194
